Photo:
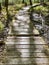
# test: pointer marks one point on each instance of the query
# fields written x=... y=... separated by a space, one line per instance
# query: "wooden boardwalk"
x=25 y=46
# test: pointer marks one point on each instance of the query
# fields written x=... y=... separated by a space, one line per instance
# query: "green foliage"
x=18 y=7
x=1 y=26
x=14 y=9
x=41 y=9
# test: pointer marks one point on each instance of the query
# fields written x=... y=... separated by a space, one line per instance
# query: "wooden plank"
x=24 y=35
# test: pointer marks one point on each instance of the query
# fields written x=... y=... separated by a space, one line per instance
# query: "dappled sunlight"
x=35 y=31
x=24 y=27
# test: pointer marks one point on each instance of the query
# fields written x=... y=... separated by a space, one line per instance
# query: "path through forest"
x=25 y=49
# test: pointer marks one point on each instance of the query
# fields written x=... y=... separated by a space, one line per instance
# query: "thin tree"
x=41 y=1
x=0 y=8
x=6 y=5
x=23 y=1
x=30 y=2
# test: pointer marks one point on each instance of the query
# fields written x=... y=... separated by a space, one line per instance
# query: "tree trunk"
x=41 y=1
x=23 y=1
x=0 y=8
x=30 y=2
x=6 y=5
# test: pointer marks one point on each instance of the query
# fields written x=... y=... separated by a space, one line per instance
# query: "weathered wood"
x=24 y=35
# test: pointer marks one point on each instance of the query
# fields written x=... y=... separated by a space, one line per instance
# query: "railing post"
x=0 y=8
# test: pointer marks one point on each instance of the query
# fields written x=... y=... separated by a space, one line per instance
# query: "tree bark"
x=0 y=8
x=30 y=2
x=6 y=5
